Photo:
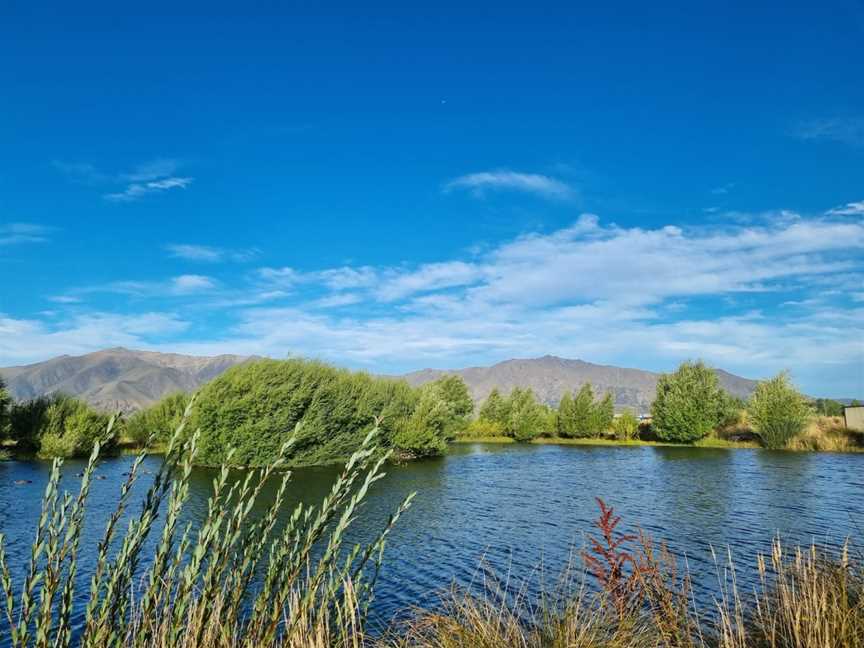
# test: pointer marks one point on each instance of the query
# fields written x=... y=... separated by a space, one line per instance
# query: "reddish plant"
x=610 y=560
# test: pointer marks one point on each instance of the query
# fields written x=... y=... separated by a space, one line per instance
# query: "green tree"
x=495 y=409
x=255 y=407
x=527 y=416
x=71 y=427
x=626 y=426
x=424 y=432
x=729 y=409
x=778 y=411
x=453 y=391
x=688 y=403
x=159 y=421
x=28 y=419
x=828 y=407
x=603 y=414
x=583 y=420
x=566 y=419
x=6 y=405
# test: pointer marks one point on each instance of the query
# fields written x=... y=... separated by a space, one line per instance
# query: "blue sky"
x=395 y=187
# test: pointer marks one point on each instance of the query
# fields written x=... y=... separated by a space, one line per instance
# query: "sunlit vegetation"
x=628 y=591
x=584 y=416
x=56 y=426
x=689 y=404
x=690 y=408
x=156 y=424
x=254 y=408
x=232 y=580
x=778 y=412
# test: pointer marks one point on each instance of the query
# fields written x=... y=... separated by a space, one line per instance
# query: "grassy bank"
x=822 y=434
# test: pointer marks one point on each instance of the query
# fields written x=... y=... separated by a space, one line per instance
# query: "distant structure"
x=854 y=418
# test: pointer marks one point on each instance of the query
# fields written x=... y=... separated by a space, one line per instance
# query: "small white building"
x=854 y=418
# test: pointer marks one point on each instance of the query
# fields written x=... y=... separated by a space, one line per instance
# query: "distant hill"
x=127 y=380
x=116 y=379
x=551 y=376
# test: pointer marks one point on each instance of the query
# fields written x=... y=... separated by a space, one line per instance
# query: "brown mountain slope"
x=551 y=376
x=116 y=378
x=129 y=380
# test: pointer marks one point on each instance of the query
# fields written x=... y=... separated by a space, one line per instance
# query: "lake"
x=515 y=505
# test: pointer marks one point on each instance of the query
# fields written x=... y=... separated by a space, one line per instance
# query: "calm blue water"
x=517 y=505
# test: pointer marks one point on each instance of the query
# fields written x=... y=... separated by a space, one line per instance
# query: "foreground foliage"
x=234 y=581
x=806 y=599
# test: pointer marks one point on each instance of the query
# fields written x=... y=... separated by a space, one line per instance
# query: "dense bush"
x=423 y=434
x=626 y=426
x=452 y=391
x=70 y=427
x=603 y=414
x=483 y=428
x=58 y=426
x=528 y=418
x=777 y=411
x=27 y=419
x=582 y=416
x=828 y=407
x=688 y=405
x=256 y=406
x=5 y=411
x=495 y=409
x=158 y=421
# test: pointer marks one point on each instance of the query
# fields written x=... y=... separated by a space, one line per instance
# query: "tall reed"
x=232 y=581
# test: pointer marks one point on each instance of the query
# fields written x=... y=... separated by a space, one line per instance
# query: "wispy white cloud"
x=15 y=233
x=138 y=190
x=723 y=189
x=849 y=209
x=783 y=290
x=206 y=253
x=504 y=180
x=155 y=176
x=847 y=130
x=191 y=284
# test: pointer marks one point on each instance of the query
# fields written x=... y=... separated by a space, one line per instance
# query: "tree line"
x=253 y=408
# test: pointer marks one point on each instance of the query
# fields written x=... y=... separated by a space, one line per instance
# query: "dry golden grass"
x=828 y=434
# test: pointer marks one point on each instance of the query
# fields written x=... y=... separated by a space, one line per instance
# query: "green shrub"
x=5 y=412
x=603 y=414
x=688 y=403
x=626 y=426
x=424 y=432
x=828 y=407
x=27 y=420
x=582 y=416
x=157 y=421
x=482 y=428
x=256 y=406
x=453 y=392
x=777 y=411
x=495 y=409
x=70 y=428
x=527 y=417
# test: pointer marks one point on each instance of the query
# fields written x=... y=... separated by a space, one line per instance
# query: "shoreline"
x=706 y=443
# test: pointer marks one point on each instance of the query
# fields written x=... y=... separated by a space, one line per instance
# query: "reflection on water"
x=515 y=505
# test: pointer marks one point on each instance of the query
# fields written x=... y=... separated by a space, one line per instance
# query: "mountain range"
x=116 y=379
x=127 y=380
